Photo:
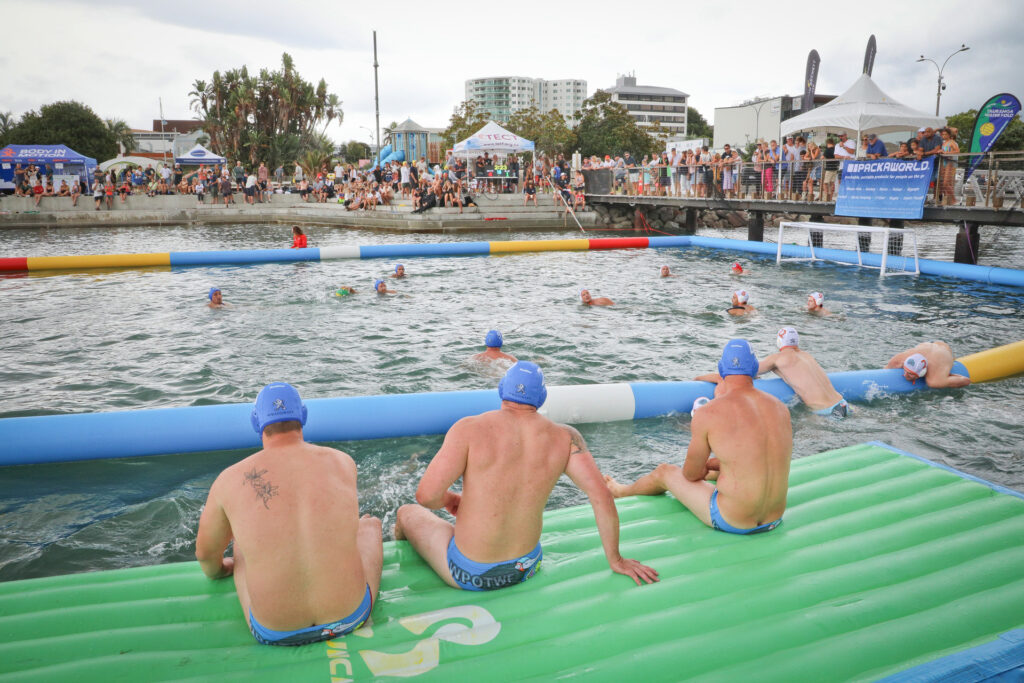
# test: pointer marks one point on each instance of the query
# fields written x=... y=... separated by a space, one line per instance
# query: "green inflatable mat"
x=885 y=564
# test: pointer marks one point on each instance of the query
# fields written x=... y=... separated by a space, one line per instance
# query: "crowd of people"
x=796 y=169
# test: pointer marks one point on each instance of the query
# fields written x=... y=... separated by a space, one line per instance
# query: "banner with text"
x=884 y=188
x=993 y=118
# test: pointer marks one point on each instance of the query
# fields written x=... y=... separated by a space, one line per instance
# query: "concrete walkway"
x=505 y=212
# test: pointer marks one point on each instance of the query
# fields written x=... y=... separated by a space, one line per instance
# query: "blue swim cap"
x=494 y=339
x=523 y=383
x=377 y=284
x=397 y=266
x=212 y=290
x=277 y=402
x=738 y=359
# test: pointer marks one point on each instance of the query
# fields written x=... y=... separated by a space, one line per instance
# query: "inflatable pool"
x=885 y=565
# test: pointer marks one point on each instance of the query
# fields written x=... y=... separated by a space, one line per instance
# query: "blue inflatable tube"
x=442 y=249
x=131 y=433
x=205 y=258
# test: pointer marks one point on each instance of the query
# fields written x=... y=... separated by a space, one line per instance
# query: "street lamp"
x=757 y=106
x=940 y=86
x=370 y=133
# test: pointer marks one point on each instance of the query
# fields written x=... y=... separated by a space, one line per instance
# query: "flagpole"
x=376 y=94
x=162 y=139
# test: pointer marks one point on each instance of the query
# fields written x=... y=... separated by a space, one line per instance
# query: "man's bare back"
x=753 y=461
x=940 y=362
x=509 y=461
x=302 y=555
x=801 y=372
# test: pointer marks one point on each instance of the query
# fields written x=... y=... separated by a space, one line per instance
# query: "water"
x=83 y=342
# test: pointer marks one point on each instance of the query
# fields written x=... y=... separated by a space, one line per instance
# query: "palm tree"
x=122 y=135
x=7 y=122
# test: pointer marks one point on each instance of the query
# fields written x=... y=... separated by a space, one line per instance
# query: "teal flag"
x=993 y=118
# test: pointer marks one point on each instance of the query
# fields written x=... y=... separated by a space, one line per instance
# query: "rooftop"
x=626 y=85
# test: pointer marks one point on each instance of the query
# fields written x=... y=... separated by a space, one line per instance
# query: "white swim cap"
x=741 y=295
x=818 y=297
x=699 y=403
x=916 y=365
x=787 y=337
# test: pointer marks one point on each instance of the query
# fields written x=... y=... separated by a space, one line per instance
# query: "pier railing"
x=996 y=182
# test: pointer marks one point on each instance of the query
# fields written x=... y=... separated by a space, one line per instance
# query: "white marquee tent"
x=199 y=155
x=863 y=108
x=493 y=138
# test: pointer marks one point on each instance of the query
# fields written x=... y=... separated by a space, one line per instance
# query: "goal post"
x=810 y=241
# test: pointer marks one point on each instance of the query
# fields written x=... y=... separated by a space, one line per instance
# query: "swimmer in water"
x=665 y=272
x=216 y=298
x=509 y=460
x=344 y=291
x=753 y=442
x=739 y=304
x=931 y=360
x=493 y=341
x=736 y=268
x=801 y=372
x=381 y=287
x=299 y=240
x=591 y=301
x=399 y=271
x=816 y=304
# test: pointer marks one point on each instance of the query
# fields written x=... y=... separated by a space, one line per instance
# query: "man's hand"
x=634 y=570
x=227 y=567
x=451 y=502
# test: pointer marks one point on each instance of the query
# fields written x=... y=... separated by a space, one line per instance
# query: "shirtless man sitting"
x=493 y=341
x=753 y=462
x=303 y=557
x=594 y=301
x=931 y=360
x=739 y=304
x=509 y=460
x=802 y=373
x=816 y=304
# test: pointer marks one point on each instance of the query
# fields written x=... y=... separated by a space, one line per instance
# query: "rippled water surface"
x=96 y=341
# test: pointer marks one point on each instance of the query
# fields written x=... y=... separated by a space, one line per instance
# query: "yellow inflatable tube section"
x=98 y=261
x=539 y=245
x=997 y=363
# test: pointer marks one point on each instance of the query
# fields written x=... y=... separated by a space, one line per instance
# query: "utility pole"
x=162 y=140
x=940 y=85
x=376 y=93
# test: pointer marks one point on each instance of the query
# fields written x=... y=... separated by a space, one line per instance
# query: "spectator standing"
x=240 y=177
x=263 y=181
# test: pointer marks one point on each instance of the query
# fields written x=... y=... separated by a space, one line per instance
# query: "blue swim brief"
x=839 y=410
x=313 y=634
x=721 y=525
x=489 y=576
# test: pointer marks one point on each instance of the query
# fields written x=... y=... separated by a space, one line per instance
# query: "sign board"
x=884 y=188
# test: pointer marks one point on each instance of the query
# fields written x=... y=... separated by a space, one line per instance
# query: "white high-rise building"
x=650 y=103
x=501 y=96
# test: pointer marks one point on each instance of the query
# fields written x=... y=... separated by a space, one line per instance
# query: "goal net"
x=893 y=251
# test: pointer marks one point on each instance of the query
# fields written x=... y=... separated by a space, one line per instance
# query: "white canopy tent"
x=199 y=155
x=493 y=138
x=863 y=108
x=128 y=161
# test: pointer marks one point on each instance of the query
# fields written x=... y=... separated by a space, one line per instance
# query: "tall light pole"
x=939 y=87
x=757 y=106
x=376 y=93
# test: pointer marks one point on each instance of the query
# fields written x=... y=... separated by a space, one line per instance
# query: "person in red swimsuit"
x=298 y=238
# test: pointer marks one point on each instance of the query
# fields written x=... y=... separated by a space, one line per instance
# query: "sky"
x=122 y=57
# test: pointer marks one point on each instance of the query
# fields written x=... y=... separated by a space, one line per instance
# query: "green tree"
x=697 y=126
x=7 y=123
x=65 y=123
x=122 y=135
x=274 y=116
x=605 y=127
x=1012 y=139
x=549 y=132
x=355 y=150
x=467 y=119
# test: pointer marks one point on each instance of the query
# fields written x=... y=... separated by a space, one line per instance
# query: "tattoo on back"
x=264 y=489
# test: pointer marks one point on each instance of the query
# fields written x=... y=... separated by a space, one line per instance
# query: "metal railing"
x=996 y=182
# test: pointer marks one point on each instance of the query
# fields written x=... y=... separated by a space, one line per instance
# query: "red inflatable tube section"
x=13 y=265
x=620 y=243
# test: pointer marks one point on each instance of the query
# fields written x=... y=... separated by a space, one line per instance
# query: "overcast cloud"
x=119 y=58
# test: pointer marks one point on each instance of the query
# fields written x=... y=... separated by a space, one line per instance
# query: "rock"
x=734 y=219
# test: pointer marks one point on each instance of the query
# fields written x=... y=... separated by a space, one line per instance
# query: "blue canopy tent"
x=199 y=155
x=61 y=159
